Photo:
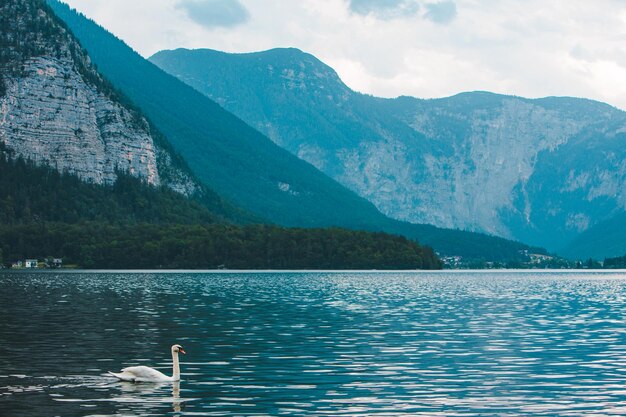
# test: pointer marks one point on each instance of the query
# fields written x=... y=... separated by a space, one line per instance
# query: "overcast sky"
x=423 y=48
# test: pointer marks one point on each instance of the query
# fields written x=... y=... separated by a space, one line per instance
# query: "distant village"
x=47 y=263
x=531 y=261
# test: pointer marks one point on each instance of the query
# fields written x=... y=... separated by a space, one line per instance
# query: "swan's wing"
x=140 y=374
x=123 y=376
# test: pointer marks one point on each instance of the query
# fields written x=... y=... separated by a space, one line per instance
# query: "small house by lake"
x=30 y=263
x=54 y=262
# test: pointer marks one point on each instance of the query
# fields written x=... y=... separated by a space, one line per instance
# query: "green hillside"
x=32 y=193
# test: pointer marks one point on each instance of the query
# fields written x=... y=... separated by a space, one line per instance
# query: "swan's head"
x=177 y=349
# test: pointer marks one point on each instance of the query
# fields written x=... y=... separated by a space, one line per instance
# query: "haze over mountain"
x=540 y=171
x=245 y=166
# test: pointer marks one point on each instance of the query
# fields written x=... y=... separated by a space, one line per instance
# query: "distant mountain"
x=540 y=171
x=245 y=166
x=604 y=240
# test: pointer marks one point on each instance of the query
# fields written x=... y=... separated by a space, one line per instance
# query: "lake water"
x=336 y=344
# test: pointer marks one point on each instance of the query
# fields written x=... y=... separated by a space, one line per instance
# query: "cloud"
x=215 y=13
x=394 y=47
x=384 y=9
x=442 y=12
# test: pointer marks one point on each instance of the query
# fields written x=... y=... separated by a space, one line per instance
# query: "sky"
x=387 y=48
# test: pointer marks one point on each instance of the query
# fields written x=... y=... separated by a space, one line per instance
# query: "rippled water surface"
x=431 y=344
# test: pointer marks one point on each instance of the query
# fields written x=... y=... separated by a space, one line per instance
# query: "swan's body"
x=147 y=374
x=142 y=374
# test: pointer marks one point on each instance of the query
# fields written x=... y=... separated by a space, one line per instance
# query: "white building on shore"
x=30 y=263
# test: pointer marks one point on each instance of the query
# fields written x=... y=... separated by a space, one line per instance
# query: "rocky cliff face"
x=540 y=171
x=519 y=168
x=50 y=115
x=55 y=108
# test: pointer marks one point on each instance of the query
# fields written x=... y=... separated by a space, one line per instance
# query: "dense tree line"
x=618 y=262
x=99 y=245
x=38 y=193
x=130 y=224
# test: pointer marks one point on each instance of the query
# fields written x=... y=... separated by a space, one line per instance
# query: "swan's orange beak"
x=181 y=350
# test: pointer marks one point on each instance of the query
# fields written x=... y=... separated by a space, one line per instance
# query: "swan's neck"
x=175 y=367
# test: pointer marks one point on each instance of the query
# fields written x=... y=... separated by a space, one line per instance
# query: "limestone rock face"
x=517 y=168
x=51 y=116
x=535 y=170
x=56 y=109
x=465 y=182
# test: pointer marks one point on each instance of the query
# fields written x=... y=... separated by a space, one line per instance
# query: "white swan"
x=147 y=374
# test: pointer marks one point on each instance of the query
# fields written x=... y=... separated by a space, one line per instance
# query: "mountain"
x=57 y=110
x=539 y=171
x=544 y=169
x=224 y=152
x=244 y=165
x=603 y=240
x=86 y=178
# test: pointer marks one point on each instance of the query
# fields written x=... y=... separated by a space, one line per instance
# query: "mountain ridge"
x=476 y=161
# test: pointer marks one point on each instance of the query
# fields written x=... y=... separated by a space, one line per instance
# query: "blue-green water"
x=431 y=344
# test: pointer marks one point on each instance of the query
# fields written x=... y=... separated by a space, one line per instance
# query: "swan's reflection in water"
x=176 y=402
x=128 y=397
x=151 y=392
